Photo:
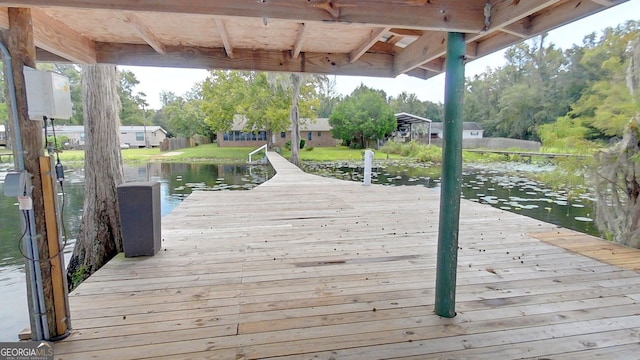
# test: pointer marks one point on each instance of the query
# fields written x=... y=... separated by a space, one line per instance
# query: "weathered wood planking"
x=593 y=247
x=308 y=267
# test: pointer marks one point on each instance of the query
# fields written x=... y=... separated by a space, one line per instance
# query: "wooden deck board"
x=306 y=267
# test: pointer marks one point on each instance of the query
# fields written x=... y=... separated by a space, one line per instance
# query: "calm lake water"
x=499 y=185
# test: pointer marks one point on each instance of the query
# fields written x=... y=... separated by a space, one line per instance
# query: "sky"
x=154 y=80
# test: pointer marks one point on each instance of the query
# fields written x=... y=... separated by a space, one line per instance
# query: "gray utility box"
x=140 y=218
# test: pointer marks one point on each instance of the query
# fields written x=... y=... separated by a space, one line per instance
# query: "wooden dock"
x=528 y=155
x=304 y=267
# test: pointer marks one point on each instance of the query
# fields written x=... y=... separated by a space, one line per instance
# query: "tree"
x=99 y=237
x=264 y=107
x=328 y=96
x=295 y=83
x=617 y=177
x=362 y=116
x=410 y=103
x=131 y=109
x=608 y=104
x=223 y=93
x=532 y=89
x=184 y=114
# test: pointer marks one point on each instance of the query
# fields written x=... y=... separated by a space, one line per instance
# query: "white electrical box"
x=48 y=94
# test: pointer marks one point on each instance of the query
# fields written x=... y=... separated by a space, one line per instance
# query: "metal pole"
x=18 y=151
x=35 y=294
x=451 y=177
x=144 y=124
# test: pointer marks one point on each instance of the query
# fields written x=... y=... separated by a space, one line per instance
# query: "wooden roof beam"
x=494 y=43
x=4 y=19
x=59 y=39
x=436 y=65
x=507 y=12
x=378 y=65
x=521 y=29
x=563 y=14
x=224 y=35
x=426 y=48
x=303 y=30
x=441 y=15
x=406 y=32
x=147 y=35
x=45 y=56
x=604 y=2
x=373 y=38
x=503 y=13
x=521 y=35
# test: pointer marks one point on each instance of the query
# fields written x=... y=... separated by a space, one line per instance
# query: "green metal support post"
x=451 y=177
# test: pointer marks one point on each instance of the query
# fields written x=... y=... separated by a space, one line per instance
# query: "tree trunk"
x=296 y=81
x=99 y=238
x=617 y=183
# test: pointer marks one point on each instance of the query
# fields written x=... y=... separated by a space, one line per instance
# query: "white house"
x=3 y=135
x=131 y=136
x=142 y=136
x=470 y=130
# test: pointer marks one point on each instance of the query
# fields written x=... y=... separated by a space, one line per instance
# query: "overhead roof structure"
x=382 y=38
x=405 y=118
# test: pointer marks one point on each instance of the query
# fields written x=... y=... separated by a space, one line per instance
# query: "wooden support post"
x=19 y=41
x=56 y=253
x=451 y=178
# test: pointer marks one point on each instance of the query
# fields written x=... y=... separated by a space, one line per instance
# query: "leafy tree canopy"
x=226 y=94
x=361 y=117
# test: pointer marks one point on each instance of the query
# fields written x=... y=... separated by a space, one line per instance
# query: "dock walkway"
x=305 y=267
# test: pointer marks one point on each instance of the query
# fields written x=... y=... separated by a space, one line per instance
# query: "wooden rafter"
x=406 y=32
x=383 y=47
x=448 y=15
x=316 y=25
x=521 y=28
x=498 y=41
x=426 y=48
x=224 y=35
x=504 y=15
x=297 y=46
x=562 y=14
x=45 y=56
x=394 y=39
x=436 y=65
x=147 y=35
x=4 y=19
x=59 y=39
x=515 y=33
x=603 y=2
x=245 y=59
x=374 y=35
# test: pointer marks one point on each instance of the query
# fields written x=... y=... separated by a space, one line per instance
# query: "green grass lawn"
x=337 y=153
x=202 y=152
x=211 y=152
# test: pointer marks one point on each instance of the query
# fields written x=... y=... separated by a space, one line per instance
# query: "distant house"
x=133 y=136
x=142 y=136
x=470 y=130
x=3 y=135
x=315 y=132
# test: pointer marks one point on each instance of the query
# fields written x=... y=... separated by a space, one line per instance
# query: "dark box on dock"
x=140 y=215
